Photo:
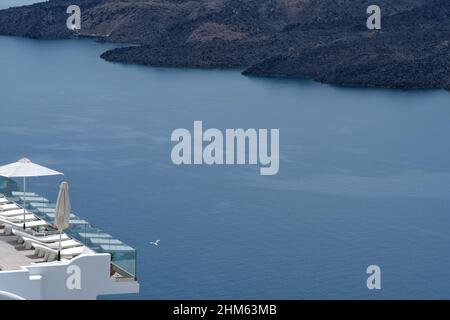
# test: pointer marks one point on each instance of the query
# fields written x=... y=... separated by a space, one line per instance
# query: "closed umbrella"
x=62 y=212
x=25 y=168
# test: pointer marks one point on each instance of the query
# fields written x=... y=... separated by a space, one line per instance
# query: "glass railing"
x=123 y=257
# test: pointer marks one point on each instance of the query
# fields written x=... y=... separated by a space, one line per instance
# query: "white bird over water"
x=155 y=243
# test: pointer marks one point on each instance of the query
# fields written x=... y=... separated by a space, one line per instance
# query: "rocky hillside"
x=325 y=40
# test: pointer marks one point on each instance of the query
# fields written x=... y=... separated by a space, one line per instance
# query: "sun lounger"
x=65 y=244
x=50 y=254
x=36 y=223
x=19 y=218
x=12 y=213
x=9 y=226
x=10 y=206
x=44 y=239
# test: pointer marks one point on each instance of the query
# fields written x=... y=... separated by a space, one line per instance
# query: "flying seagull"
x=156 y=243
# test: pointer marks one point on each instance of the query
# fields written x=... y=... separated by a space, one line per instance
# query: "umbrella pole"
x=24 y=200
x=59 y=251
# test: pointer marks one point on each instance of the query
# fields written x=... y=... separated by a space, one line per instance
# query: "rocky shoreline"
x=317 y=39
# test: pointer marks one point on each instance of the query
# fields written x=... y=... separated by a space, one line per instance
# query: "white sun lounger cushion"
x=12 y=213
x=11 y=206
x=37 y=223
x=51 y=254
x=43 y=239
x=65 y=244
x=19 y=218
x=9 y=225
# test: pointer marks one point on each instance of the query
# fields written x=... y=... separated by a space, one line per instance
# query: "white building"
x=92 y=262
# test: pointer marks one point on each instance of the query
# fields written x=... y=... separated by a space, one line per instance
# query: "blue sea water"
x=364 y=175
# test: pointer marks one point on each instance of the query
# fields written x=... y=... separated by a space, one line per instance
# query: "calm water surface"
x=364 y=175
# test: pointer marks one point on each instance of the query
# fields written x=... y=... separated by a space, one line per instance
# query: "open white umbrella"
x=62 y=211
x=25 y=168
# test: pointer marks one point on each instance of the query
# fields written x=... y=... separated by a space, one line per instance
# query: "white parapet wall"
x=18 y=283
x=84 y=277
